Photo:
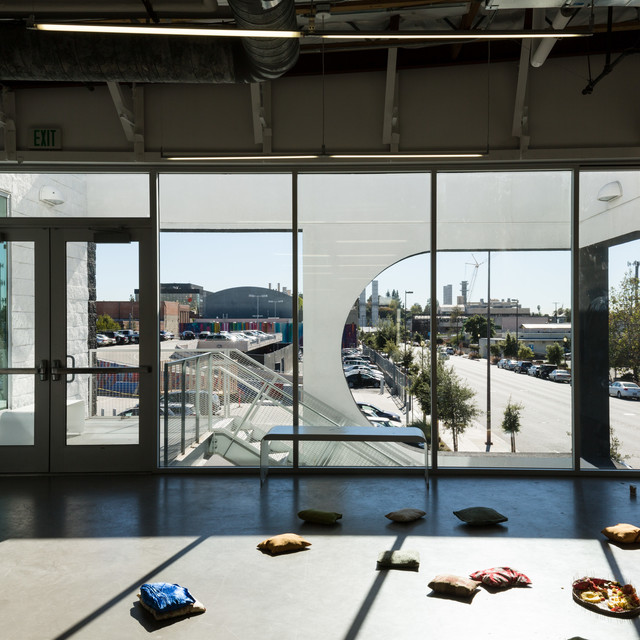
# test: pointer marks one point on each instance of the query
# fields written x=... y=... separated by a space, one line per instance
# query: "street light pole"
x=405 y=322
x=257 y=297
x=406 y=377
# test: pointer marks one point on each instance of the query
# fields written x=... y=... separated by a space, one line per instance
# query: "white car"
x=621 y=389
x=560 y=375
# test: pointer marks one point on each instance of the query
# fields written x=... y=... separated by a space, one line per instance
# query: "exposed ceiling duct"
x=27 y=55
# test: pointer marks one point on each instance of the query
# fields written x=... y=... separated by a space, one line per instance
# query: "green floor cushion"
x=501 y=577
x=451 y=585
x=406 y=515
x=284 y=543
x=480 y=516
x=319 y=517
x=623 y=533
x=408 y=560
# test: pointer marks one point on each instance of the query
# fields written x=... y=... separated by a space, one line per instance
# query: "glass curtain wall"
x=226 y=307
x=354 y=227
x=504 y=264
x=609 y=258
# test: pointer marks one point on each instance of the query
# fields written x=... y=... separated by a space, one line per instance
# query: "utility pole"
x=556 y=312
x=635 y=264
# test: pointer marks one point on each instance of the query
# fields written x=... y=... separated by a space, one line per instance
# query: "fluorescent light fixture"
x=224 y=32
x=402 y=156
x=445 y=35
x=168 y=30
x=253 y=157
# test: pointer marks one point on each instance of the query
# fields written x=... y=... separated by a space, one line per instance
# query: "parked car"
x=135 y=411
x=560 y=375
x=175 y=399
x=360 y=379
x=132 y=336
x=117 y=336
x=501 y=363
x=510 y=365
x=188 y=335
x=622 y=389
x=522 y=366
x=203 y=335
x=104 y=341
x=533 y=370
x=544 y=370
x=450 y=351
x=220 y=337
x=364 y=369
x=166 y=335
x=371 y=409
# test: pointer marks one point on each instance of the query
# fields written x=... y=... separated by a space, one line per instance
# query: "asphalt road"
x=546 y=416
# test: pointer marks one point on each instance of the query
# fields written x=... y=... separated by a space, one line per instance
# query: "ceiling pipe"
x=560 y=21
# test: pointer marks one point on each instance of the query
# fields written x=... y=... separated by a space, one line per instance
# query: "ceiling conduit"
x=543 y=49
x=28 y=55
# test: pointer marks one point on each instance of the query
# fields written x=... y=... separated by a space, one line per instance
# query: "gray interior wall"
x=447 y=108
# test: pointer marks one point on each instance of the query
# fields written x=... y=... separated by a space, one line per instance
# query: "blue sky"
x=222 y=260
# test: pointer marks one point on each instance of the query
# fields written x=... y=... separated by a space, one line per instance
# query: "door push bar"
x=57 y=370
x=42 y=370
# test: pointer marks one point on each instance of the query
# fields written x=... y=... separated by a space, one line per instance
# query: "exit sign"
x=45 y=138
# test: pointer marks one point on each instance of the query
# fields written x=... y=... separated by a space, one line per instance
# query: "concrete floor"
x=76 y=548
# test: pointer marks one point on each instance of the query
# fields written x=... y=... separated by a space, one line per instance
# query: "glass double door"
x=70 y=396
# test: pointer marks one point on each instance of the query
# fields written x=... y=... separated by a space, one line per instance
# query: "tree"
x=510 y=346
x=477 y=326
x=407 y=358
x=455 y=408
x=106 y=323
x=391 y=349
x=624 y=326
x=555 y=354
x=525 y=352
x=456 y=314
x=416 y=309
x=496 y=350
x=511 y=421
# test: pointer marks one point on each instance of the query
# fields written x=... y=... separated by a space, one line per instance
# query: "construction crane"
x=476 y=265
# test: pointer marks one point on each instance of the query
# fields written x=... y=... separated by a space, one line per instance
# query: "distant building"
x=447 y=294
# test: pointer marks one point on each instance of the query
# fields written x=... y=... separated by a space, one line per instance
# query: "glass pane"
x=77 y=195
x=17 y=342
x=610 y=319
x=355 y=227
x=225 y=318
x=504 y=269
x=102 y=331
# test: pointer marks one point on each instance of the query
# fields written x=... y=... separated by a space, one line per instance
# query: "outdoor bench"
x=341 y=434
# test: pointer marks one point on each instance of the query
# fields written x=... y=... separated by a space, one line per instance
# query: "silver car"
x=560 y=375
x=621 y=389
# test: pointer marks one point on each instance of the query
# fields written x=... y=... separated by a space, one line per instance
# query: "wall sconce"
x=51 y=195
x=610 y=191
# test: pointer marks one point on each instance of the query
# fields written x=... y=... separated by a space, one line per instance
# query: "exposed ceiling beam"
x=8 y=122
x=261 y=114
x=390 y=133
x=129 y=103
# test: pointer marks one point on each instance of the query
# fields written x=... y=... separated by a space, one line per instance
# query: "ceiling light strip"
x=336 y=156
x=166 y=30
x=329 y=35
x=252 y=157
